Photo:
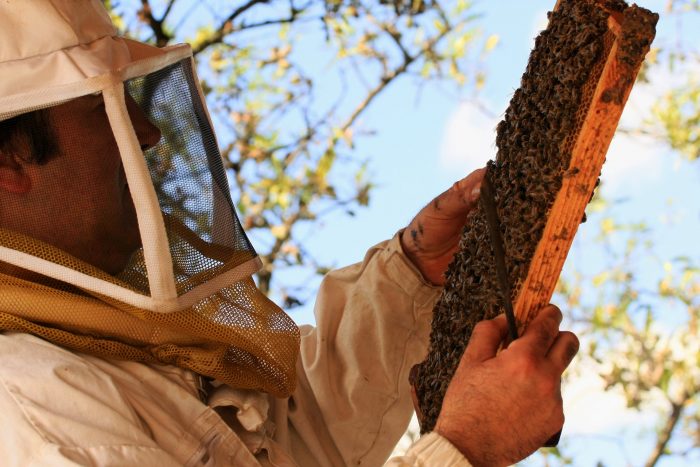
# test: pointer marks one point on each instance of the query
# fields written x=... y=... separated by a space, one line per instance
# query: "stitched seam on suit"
x=24 y=412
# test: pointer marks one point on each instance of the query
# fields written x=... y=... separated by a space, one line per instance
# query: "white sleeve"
x=353 y=400
x=430 y=450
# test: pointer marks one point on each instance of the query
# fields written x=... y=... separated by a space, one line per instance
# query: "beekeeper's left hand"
x=432 y=238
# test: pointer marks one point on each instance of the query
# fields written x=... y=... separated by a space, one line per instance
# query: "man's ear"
x=13 y=178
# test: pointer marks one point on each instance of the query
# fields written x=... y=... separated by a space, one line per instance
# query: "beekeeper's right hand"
x=500 y=407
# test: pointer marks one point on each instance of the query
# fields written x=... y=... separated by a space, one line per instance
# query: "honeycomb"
x=535 y=141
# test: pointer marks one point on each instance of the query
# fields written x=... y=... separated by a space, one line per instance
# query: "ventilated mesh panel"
x=205 y=235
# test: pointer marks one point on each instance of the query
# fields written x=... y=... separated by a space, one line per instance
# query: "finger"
x=460 y=199
x=563 y=350
x=486 y=339
x=541 y=333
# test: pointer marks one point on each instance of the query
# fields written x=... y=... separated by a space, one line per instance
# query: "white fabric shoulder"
x=40 y=385
x=63 y=408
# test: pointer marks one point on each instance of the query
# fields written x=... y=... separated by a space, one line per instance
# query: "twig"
x=227 y=25
x=167 y=10
x=156 y=25
x=667 y=431
x=291 y=19
x=389 y=77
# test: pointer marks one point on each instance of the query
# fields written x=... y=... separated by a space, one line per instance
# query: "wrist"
x=454 y=439
x=434 y=449
x=462 y=441
x=414 y=257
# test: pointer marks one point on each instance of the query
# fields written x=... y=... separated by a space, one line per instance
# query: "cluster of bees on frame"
x=539 y=124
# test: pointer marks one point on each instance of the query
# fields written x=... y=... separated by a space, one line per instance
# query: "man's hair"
x=27 y=137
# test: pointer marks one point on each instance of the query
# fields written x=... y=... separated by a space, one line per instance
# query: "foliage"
x=276 y=74
x=644 y=342
x=677 y=117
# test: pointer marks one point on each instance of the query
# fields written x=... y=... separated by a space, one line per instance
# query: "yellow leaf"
x=439 y=25
x=279 y=231
x=607 y=226
x=687 y=278
x=480 y=80
x=600 y=279
x=652 y=56
x=491 y=42
x=460 y=46
x=462 y=5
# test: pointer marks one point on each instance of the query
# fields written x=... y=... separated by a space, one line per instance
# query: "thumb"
x=460 y=198
x=486 y=339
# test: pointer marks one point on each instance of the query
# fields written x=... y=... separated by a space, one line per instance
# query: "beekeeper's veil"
x=118 y=236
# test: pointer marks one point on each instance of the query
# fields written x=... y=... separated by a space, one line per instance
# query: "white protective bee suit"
x=134 y=334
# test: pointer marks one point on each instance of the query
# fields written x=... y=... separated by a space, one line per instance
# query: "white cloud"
x=590 y=409
x=632 y=163
x=468 y=140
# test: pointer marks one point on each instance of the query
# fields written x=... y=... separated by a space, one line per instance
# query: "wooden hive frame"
x=588 y=155
x=604 y=94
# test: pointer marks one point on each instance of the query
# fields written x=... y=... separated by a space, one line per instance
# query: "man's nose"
x=147 y=133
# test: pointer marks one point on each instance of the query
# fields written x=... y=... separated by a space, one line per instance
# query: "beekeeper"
x=132 y=332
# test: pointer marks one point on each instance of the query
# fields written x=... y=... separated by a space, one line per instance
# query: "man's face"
x=79 y=200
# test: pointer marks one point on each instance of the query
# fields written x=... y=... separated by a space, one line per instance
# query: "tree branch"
x=227 y=25
x=156 y=25
x=265 y=274
x=290 y=19
x=667 y=431
x=167 y=10
x=389 y=77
